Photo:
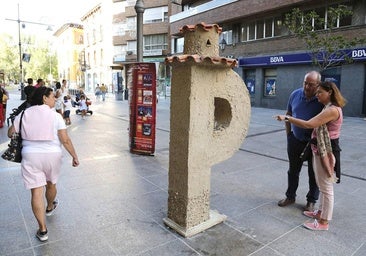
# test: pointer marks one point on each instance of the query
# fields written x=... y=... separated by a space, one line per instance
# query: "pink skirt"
x=39 y=168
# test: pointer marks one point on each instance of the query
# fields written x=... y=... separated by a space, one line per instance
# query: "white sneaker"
x=51 y=212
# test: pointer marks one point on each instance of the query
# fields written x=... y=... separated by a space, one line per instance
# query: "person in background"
x=59 y=99
x=43 y=132
x=97 y=92
x=30 y=82
x=67 y=109
x=325 y=149
x=83 y=107
x=304 y=105
x=4 y=100
x=103 y=90
x=64 y=89
x=39 y=83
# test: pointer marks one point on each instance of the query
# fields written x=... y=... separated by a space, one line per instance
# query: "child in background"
x=82 y=106
x=67 y=109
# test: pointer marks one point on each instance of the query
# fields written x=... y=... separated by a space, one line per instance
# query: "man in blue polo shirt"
x=304 y=105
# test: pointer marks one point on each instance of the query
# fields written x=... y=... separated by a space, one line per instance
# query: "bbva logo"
x=358 y=53
x=276 y=59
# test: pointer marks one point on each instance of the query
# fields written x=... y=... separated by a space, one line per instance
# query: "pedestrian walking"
x=325 y=150
x=103 y=90
x=43 y=132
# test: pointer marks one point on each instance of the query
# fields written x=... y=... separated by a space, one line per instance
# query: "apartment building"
x=272 y=62
x=97 y=56
x=155 y=37
x=69 y=44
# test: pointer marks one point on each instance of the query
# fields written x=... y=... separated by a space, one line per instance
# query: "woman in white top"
x=43 y=132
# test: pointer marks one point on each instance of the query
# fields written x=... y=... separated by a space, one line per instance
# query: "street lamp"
x=21 y=76
x=139 y=8
x=222 y=44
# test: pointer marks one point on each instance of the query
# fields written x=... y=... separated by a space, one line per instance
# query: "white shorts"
x=39 y=168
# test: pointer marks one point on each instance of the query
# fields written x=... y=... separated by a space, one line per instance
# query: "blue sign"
x=358 y=54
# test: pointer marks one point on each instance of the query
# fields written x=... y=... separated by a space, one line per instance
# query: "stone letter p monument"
x=209 y=119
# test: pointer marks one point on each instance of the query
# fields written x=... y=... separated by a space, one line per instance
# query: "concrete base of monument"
x=215 y=218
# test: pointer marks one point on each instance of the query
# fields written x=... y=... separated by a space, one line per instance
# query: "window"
x=270 y=77
x=101 y=33
x=119 y=29
x=249 y=75
x=228 y=36
x=131 y=23
x=278 y=28
x=154 y=44
x=268 y=24
x=131 y=47
x=251 y=31
x=260 y=29
x=243 y=33
x=101 y=57
x=178 y=44
x=345 y=20
x=158 y=14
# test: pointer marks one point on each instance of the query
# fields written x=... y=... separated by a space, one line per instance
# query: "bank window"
x=270 y=77
x=249 y=78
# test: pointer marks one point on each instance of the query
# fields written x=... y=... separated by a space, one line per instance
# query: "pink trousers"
x=325 y=184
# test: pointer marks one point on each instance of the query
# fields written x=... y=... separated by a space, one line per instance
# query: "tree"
x=43 y=61
x=9 y=58
x=327 y=47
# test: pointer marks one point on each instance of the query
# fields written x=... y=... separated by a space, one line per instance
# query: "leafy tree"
x=9 y=58
x=42 y=61
x=327 y=47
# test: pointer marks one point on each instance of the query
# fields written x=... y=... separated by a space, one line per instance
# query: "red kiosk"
x=141 y=82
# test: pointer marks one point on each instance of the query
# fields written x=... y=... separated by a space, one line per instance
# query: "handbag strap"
x=20 y=123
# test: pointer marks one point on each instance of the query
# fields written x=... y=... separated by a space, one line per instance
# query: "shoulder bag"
x=14 y=151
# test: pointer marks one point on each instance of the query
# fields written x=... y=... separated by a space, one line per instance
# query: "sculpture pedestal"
x=215 y=218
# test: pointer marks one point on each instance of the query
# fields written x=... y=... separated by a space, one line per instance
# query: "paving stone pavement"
x=114 y=202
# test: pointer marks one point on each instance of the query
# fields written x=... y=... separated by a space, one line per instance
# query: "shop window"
x=270 y=77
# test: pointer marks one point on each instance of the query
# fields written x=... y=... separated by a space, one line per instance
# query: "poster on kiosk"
x=141 y=81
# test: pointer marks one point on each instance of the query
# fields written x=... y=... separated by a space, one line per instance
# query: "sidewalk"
x=114 y=202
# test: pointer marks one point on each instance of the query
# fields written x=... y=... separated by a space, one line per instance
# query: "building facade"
x=69 y=44
x=97 y=56
x=271 y=61
x=155 y=38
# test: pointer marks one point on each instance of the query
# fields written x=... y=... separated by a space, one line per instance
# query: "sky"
x=53 y=12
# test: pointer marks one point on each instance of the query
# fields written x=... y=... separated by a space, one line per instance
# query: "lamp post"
x=22 y=94
x=222 y=44
x=21 y=76
x=139 y=8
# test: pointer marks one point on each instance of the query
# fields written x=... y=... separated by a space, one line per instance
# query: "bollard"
x=210 y=114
